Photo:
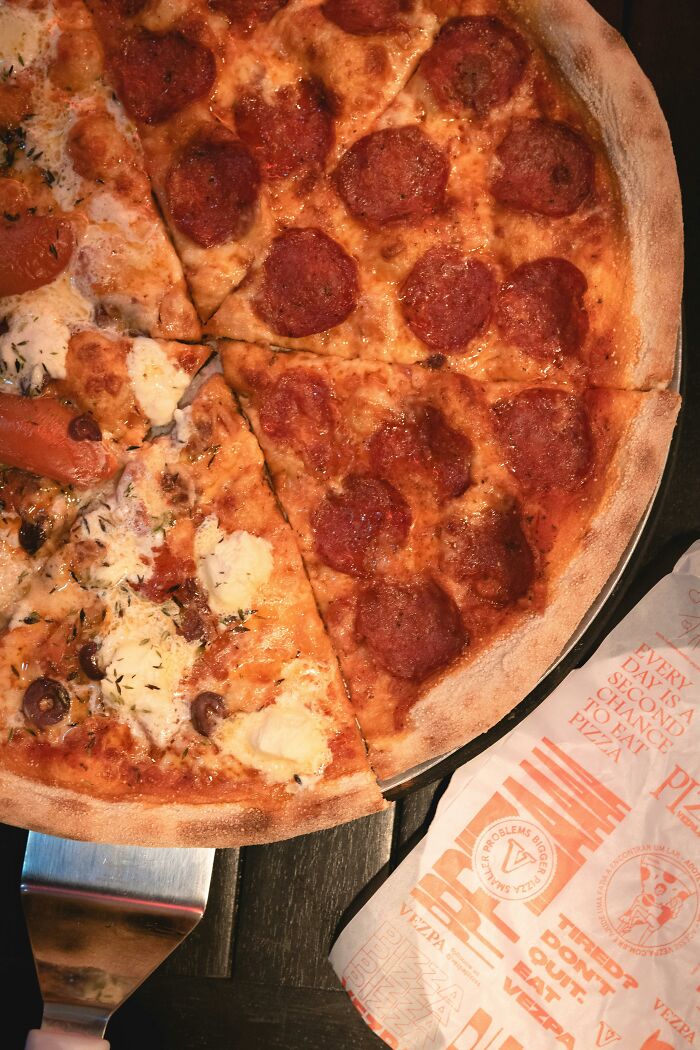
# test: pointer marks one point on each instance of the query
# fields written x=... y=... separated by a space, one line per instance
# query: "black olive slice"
x=205 y=711
x=33 y=535
x=84 y=428
x=45 y=702
x=87 y=658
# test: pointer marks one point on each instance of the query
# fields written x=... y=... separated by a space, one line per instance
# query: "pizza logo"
x=649 y=900
x=606 y=1035
x=514 y=859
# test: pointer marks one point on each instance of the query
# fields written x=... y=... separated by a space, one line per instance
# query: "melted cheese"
x=234 y=568
x=39 y=326
x=125 y=552
x=158 y=383
x=20 y=37
x=47 y=134
x=145 y=661
x=182 y=431
x=281 y=740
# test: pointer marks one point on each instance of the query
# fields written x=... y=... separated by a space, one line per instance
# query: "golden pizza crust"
x=140 y=822
x=493 y=683
x=597 y=63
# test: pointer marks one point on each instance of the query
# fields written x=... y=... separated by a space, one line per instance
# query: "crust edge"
x=522 y=655
x=597 y=62
x=70 y=814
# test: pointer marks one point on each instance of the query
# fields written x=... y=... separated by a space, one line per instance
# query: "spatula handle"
x=43 y=1040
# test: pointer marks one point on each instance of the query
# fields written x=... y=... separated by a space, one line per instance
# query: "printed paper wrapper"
x=555 y=900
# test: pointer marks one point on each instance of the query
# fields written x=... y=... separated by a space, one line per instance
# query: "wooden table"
x=255 y=974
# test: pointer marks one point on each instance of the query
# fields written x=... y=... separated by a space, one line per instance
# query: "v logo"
x=606 y=1035
x=516 y=857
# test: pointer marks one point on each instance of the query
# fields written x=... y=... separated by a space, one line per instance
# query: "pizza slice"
x=486 y=221
x=80 y=236
x=240 y=107
x=167 y=679
x=455 y=533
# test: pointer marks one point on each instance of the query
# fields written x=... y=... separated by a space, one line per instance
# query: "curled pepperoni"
x=544 y=167
x=421 y=442
x=34 y=250
x=476 y=63
x=447 y=298
x=294 y=131
x=212 y=187
x=296 y=410
x=363 y=17
x=392 y=175
x=548 y=438
x=490 y=551
x=540 y=308
x=352 y=527
x=310 y=284
x=412 y=629
x=245 y=15
x=158 y=74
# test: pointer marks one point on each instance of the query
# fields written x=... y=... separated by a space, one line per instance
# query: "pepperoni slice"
x=412 y=629
x=423 y=443
x=540 y=308
x=34 y=250
x=294 y=131
x=34 y=436
x=548 y=438
x=245 y=15
x=392 y=175
x=296 y=410
x=363 y=17
x=158 y=74
x=544 y=167
x=447 y=298
x=212 y=187
x=310 y=284
x=490 y=551
x=352 y=527
x=476 y=63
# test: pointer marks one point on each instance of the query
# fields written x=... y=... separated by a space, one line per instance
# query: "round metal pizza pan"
x=597 y=622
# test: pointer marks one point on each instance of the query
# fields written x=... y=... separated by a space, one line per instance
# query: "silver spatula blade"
x=100 y=919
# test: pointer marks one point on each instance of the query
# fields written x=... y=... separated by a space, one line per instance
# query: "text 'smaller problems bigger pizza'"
x=435 y=250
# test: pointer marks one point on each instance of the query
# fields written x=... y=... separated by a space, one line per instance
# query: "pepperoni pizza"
x=436 y=249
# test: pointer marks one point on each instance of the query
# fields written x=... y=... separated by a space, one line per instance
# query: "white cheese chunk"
x=145 y=661
x=125 y=553
x=182 y=431
x=21 y=33
x=281 y=740
x=234 y=568
x=39 y=326
x=158 y=383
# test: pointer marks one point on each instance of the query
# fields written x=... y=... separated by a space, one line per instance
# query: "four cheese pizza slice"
x=80 y=236
x=483 y=221
x=455 y=533
x=167 y=674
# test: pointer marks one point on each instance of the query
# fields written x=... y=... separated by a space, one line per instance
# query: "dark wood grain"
x=208 y=951
x=283 y=937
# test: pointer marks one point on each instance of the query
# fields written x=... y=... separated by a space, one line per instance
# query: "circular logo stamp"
x=649 y=900
x=514 y=859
